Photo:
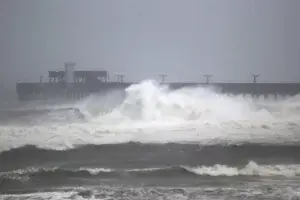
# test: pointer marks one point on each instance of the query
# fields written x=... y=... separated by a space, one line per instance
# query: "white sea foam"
x=251 y=169
x=147 y=112
x=157 y=193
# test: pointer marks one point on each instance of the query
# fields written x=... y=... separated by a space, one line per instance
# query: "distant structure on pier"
x=120 y=78
x=71 y=76
x=163 y=77
x=207 y=76
x=255 y=76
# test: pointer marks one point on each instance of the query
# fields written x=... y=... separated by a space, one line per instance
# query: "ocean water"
x=149 y=142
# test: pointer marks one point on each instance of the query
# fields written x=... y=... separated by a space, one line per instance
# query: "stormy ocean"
x=152 y=143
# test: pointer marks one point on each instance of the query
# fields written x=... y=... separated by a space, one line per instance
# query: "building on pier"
x=70 y=75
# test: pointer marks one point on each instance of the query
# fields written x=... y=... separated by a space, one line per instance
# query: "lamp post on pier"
x=255 y=76
x=163 y=76
x=207 y=76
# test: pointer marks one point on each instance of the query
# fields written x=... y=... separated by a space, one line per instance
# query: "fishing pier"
x=72 y=84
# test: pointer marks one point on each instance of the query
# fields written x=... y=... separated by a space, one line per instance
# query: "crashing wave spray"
x=147 y=109
x=149 y=101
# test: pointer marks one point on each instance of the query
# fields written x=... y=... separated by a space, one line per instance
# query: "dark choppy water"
x=153 y=171
x=154 y=145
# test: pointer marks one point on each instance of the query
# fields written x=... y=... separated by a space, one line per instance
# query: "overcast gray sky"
x=142 y=38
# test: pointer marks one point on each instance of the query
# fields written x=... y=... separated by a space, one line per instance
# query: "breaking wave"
x=150 y=113
x=251 y=169
x=149 y=101
x=135 y=155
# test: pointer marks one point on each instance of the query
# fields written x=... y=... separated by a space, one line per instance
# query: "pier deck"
x=38 y=91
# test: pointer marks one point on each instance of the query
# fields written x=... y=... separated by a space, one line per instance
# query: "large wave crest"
x=150 y=112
